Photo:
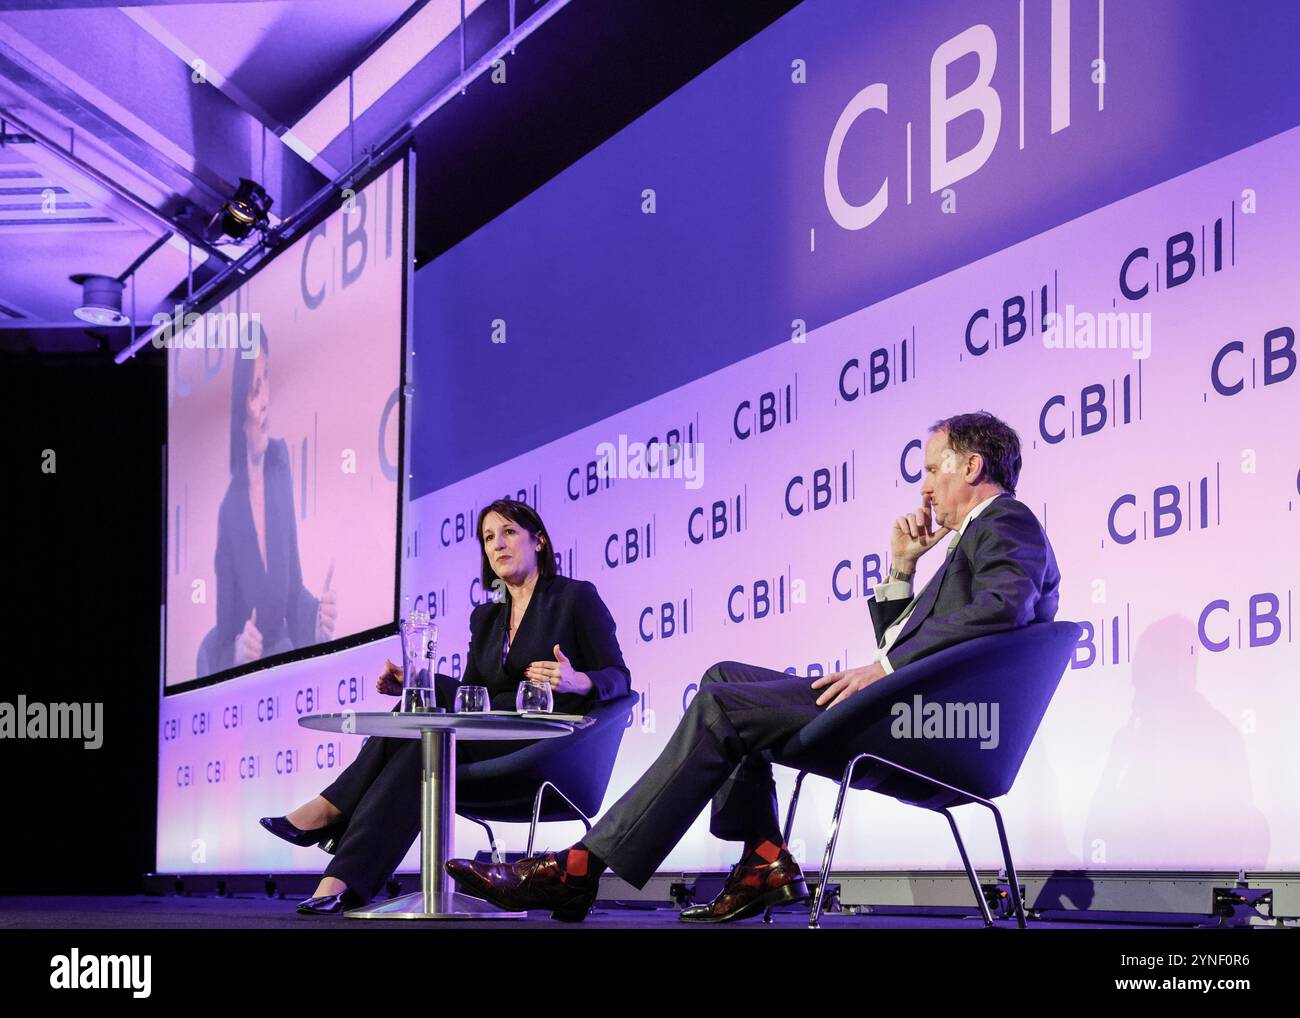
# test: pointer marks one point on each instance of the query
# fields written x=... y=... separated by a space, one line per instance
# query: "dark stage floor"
x=210 y=913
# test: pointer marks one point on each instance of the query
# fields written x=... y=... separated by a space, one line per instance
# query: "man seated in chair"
x=999 y=573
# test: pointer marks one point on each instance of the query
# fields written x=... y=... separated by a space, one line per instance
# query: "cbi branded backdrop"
x=1079 y=216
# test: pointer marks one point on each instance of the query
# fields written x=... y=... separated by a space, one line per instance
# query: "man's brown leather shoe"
x=751 y=889
x=532 y=883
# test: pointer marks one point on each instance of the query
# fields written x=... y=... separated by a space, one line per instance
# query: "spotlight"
x=101 y=299
x=245 y=211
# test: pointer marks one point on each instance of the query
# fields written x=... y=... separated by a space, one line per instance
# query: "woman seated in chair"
x=547 y=628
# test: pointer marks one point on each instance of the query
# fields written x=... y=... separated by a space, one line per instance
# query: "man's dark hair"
x=995 y=440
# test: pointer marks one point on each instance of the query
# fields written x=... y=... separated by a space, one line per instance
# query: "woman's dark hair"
x=242 y=379
x=524 y=515
x=996 y=441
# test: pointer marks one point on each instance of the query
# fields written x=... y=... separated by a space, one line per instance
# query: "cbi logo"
x=1019 y=319
x=306 y=700
x=214 y=771
x=635 y=544
x=597 y=474
x=435 y=602
x=200 y=722
x=1180 y=262
x=1173 y=508
x=268 y=709
x=677 y=435
x=824 y=487
x=1094 y=412
x=456 y=528
x=591 y=478
x=350 y=690
x=1228 y=375
x=668 y=620
x=459 y=526
x=329 y=755
x=449 y=664
x=764 y=597
x=1100 y=642
x=171 y=730
x=720 y=519
x=250 y=767
x=353 y=248
x=775 y=408
x=886 y=366
x=230 y=716
x=1260 y=625
x=848 y=582
x=979 y=97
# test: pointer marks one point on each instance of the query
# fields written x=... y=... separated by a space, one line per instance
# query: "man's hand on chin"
x=841 y=685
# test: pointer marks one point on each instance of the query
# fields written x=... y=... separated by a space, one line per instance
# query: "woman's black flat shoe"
x=327 y=837
x=331 y=904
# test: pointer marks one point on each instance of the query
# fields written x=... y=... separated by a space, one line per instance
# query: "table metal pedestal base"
x=446 y=905
x=437 y=898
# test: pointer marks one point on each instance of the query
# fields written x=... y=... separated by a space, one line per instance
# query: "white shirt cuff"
x=884 y=663
x=894 y=590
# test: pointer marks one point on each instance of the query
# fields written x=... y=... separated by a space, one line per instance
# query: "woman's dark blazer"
x=564 y=611
x=286 y=610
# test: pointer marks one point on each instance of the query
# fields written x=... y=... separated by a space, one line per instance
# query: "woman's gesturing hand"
x=390 y=681
x=326 y=615
x=248 y=642
x=559 y=675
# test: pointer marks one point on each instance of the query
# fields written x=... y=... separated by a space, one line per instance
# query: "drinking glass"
x=534 y=697
x=472 y=700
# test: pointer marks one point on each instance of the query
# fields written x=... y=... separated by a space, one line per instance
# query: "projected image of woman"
x=263 y=608
x=547 y=628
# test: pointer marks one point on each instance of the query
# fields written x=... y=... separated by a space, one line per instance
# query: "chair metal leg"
x=964 y=795
x=492 y=841
x=834 y=835
x=794 y=805
x=970 y=870
x=537 y=812
x=1012 y=878
x=789 y=825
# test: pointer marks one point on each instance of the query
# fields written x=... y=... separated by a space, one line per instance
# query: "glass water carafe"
x=419 y=657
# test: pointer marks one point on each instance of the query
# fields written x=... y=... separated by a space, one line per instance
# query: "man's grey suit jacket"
x=1001 y=575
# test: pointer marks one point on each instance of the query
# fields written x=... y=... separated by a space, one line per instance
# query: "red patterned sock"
x=579 y=864
x=575 y=862
x=760 y=853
